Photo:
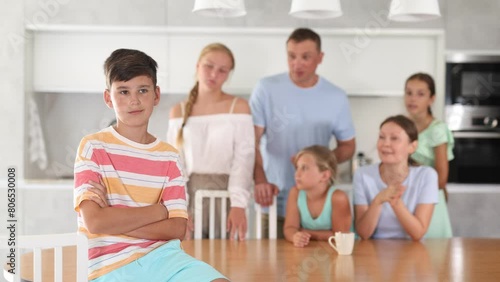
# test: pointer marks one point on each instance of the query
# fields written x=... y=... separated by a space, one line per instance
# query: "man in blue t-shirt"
x=292 y=111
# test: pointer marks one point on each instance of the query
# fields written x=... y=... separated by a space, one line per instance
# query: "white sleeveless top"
x=219 y=144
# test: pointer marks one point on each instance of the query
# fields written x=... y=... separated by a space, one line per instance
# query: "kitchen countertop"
x=46 y=184
x=68 y=184
x=472 y=188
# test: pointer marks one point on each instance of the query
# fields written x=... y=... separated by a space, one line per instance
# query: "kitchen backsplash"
x=66 y=118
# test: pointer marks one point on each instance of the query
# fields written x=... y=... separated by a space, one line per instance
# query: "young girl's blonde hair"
x=193 y=95
x=325 y=160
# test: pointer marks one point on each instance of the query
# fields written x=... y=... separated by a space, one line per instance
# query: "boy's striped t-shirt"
x=135 y=175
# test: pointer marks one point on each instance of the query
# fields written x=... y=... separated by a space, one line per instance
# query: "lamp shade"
x=220 y=8
x=414 y=10
x=316 y=9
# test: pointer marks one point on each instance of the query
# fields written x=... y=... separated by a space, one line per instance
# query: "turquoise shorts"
x=165 y=263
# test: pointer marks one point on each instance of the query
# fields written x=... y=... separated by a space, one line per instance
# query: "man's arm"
x=259 y=174
x=114 y=221
x=264 y=191
x=345 y=150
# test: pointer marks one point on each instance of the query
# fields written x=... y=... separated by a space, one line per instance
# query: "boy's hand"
x=301 y=239
x=100 y=193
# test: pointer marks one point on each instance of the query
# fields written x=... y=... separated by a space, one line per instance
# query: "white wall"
x=69 y=117
x=468 y=25
x=64 y=112
x=472 y=25
x=12 y=85
x=359 y=14
x=11 y=96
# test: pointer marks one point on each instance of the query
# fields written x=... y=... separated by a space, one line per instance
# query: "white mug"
x=344 y=242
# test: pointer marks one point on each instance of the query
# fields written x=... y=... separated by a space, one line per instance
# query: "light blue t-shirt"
x=421 y=188
x=324 y=220
x=295 y=118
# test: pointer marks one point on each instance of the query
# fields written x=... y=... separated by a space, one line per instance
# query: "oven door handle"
x=480 y=135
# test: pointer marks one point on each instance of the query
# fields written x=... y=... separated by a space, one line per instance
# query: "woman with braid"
x=214 y=133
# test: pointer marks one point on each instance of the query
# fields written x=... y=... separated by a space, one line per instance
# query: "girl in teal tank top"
x=315 y=209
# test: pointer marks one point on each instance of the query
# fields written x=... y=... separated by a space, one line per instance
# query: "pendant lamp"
x=315 y=9
x=220 y=8
x=414 y=10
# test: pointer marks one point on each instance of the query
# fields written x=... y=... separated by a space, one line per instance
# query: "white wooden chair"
x=37 y=243
x=254 y=215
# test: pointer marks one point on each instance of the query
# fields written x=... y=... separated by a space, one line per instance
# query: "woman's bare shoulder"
x=176 y=111
x=241 y=106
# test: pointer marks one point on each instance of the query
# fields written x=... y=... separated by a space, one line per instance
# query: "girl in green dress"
x=435 y=141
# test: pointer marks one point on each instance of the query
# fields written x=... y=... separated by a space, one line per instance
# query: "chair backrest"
x=254 y=215
x=56 y=242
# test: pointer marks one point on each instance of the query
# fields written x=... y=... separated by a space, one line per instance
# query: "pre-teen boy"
x=129 y=186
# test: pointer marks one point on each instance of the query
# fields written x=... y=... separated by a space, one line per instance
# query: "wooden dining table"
x=456 y=259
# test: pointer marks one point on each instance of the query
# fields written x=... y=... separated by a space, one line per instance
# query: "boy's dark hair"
x=303 y=34
x=125 y=64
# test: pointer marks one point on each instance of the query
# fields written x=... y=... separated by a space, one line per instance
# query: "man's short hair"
x=303 y=34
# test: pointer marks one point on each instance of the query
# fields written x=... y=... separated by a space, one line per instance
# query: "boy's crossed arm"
x=167 y=229
x=150 y=222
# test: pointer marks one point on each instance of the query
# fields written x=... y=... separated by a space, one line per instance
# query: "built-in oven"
x=477 y=158
x=472 y=112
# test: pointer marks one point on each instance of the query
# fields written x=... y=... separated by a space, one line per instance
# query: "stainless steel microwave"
x=473 y=115
x=473 y=80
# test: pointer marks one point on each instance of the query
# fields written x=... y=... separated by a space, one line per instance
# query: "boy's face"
x=133 y=101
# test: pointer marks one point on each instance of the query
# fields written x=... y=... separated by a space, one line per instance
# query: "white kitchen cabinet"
x=369 y=63
x=378 y=64
x=71 y=59
x=375 y=63
x=257 y=53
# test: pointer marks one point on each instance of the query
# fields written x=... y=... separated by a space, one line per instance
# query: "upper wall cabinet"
x=379 y=64
x=257 y=53
x=361 y=62
x=71 y=59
